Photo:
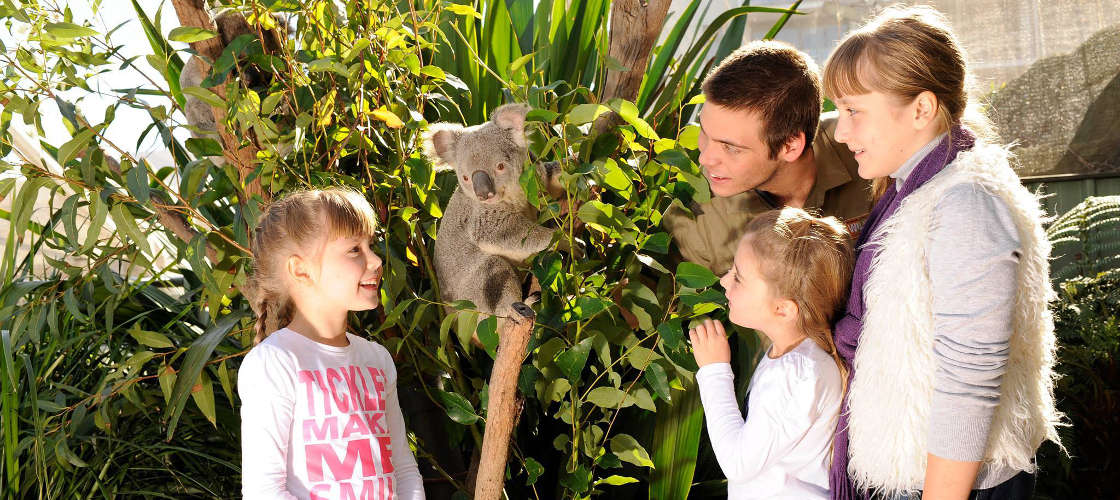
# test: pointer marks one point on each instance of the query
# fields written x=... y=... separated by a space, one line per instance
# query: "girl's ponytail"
x=273 y=312
x=265 y=318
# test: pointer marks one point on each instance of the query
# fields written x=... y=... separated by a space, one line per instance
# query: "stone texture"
x=1062 y=113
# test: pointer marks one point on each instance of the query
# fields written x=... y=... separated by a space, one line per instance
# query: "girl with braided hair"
x=320 y=416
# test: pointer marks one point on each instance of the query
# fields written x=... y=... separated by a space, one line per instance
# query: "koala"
x=489 y=228
x=230 y=25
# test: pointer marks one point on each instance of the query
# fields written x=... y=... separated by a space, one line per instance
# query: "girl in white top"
x=789 y=280
x=320 y=417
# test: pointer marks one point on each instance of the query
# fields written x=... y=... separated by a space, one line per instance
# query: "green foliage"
x=502 y=49
x=1087 y=325
x=83 y=407
x=120 y=356
x=114 y=352
x=1086 y=273
x=1086 y=239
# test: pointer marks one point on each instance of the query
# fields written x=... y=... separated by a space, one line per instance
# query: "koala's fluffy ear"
x=512 y=117
x=440 y=141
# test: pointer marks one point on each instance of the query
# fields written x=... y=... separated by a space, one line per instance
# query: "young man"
x=764 y=145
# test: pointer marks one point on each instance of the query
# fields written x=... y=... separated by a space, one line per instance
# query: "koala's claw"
x=524 y=310
x=533 y=298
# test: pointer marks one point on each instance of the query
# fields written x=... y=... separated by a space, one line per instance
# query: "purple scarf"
x=848 y=329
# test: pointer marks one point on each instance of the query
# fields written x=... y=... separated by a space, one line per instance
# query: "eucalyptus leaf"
x=488 y=335
x=68 y=31
x=137 y=179
x=585 y=113
x=149 y=338
x=607 y=397
x=627 y=449
x=190 y=34
x=657 y=379
x=203 y=395
x=695 y=276
x=458 y=408
x=572 y=360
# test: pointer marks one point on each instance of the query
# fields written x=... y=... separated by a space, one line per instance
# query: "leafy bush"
x=1086 y=239
x=1086 y=273
x=1087 y=324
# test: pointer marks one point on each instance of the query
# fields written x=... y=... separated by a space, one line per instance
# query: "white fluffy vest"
x=894 y=363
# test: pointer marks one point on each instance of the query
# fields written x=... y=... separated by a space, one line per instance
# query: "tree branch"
x=502 y=407
x=194 y=13
x=635 y=26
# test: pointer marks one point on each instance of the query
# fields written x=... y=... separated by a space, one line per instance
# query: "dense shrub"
x=1087 y=324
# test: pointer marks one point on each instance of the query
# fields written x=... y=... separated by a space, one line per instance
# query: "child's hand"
x=709 y=343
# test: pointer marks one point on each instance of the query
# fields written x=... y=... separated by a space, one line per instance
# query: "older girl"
x=947 y=326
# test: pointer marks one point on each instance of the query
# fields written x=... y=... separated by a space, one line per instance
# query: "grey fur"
x=230 y=24
x=480 y=244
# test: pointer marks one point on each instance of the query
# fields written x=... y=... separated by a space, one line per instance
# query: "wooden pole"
x=501 y=412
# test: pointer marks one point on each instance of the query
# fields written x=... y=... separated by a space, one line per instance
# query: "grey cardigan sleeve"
x=973 y=264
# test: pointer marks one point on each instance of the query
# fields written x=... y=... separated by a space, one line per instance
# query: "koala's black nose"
x=483 y=184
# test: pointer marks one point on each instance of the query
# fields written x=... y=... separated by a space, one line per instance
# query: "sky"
x=129 y=123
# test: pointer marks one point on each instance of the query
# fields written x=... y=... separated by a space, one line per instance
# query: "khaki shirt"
x=710 y=239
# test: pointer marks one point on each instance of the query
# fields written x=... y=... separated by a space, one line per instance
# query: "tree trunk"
x=194 y=13
x=502 y=410
x=635 y=26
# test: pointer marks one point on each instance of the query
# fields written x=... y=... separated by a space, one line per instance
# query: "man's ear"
x=793 y=147
x=439 y=143
x=512 y=117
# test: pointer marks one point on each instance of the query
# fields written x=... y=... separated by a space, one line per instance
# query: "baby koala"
x=489 y=227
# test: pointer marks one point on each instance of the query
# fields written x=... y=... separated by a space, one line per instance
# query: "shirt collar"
x=830 y=175
x=904 y=171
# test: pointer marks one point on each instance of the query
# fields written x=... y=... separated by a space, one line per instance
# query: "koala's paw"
x=569 y=246
x=524 y=311
x=533 y=298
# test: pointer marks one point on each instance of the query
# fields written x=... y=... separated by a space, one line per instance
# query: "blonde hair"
x=808 y=260
x=902 y=52
x=299 y=224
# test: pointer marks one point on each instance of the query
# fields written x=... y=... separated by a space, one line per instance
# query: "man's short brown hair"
x=775 y=80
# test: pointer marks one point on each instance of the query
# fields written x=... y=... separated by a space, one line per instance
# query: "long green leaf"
x=781 y=23
x=701 y=46
x=499 y=43
x=193 y=363
x=164 y=51
x=655 y=73
x=521 y=14
x=676 y=441
x=733 y=37
x=9 y=409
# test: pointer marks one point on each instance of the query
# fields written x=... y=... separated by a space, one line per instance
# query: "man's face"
x=732 y=153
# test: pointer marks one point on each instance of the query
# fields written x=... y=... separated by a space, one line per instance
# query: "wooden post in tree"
x=501 y=411
x=193 y=13
x=635 y=26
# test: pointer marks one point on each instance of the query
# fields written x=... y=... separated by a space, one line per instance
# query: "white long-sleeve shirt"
x=323 y=422
x=783 y=448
